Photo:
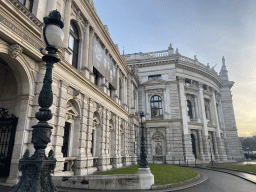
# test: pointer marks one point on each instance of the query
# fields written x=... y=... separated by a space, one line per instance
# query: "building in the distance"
x=188 y=107
x=97 y=92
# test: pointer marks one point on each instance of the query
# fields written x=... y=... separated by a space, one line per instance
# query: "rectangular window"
x=66 y=139
x=154 y=76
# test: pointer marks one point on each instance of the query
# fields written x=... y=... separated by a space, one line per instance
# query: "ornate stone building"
x=97 y=92
x=188 y=108
x=92 y=87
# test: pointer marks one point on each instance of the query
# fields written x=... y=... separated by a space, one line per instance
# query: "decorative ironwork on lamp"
x=143 y=156
x=36 y=170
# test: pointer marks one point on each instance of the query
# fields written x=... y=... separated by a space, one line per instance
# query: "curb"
x=175 y=184
x=219 y=170
x=203 y=177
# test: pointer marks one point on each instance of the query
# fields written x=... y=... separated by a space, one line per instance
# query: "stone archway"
x=17 y=90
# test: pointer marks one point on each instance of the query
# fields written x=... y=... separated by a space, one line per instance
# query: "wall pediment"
x=154 y=81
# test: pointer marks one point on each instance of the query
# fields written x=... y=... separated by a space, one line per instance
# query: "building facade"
x=93 y=127
x=188 y=107
x=97 y=94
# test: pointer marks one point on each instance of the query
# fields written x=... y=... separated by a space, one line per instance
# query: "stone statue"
x=170 y=46
x=223 y=61
x=195 y=57
x=177 y=51
x=158 y=149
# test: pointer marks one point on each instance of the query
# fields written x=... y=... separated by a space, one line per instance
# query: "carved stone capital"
x=181 y=79
x=15 y=50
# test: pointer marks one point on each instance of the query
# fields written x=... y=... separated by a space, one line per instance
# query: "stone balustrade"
x=145 y=55
x=165 y=53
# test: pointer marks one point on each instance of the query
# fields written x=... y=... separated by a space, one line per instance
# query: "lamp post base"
x=146 y=179
x=36 y=172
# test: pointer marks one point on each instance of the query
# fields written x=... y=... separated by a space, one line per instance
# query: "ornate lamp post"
x=143 y=156
x=37 y=168
x=209 y=138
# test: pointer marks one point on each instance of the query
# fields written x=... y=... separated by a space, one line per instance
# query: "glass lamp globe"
x=54 y=36
x=142 y=120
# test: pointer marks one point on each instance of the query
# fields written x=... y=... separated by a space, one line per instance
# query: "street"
x=221 y=182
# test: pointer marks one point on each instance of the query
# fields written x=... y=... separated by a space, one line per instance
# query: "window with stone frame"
x=207 y=109
x=120 y=90
x=28 y=4
x=156 y=106
x=134 y=99
x=97 y=76
x=154 y=77
x=191 y=106
x=190 y=111
x=73 y=44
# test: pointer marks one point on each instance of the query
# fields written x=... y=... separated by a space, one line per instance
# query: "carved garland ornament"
x=158 y=135
x=153 y=92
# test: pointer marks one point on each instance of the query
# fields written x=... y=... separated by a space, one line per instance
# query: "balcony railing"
x=146 y=55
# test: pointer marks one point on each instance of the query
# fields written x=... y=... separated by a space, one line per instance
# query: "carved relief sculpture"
x=15 y=50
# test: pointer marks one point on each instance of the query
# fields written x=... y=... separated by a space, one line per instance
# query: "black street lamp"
x=143 y=156
x=36 y=170
x=209 y=138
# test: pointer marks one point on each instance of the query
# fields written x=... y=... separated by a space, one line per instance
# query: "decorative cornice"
x=213 y=77
x=26 y=12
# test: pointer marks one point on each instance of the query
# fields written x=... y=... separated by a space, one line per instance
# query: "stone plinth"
x=146 y=179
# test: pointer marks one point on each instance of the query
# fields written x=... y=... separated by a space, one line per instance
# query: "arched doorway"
x=193 y=141
x=8 y=125
x=16 y=94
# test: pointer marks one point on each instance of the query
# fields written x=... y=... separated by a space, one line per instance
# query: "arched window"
x=190 y=111
x=73 y=44
x=156 y=106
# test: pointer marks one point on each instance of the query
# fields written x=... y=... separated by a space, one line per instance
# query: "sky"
x=209 y=29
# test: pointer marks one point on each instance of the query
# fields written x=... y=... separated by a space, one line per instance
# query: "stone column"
x=81 y=160
x=51 y=5
x=86 y=45
x=117 y=85
x=59 y=124
x=117 y=155
x=204 y=121
x=23 y=108
x=216 y=154
x=168 y=146
x=201 y=155
x=193 y=111
x=186 y=137
x=147 y=106
x=66 y=23
x=90 y=54
x=90 y=167
x=148 y=141
x=102 y=161
x=133 y=154
x=220 y=147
